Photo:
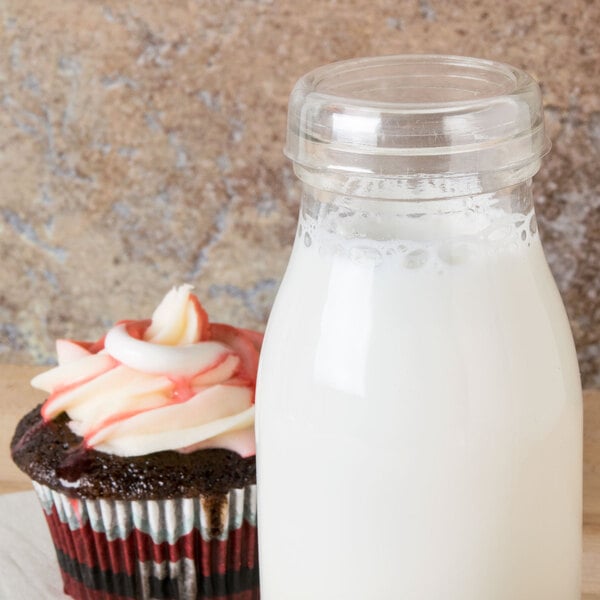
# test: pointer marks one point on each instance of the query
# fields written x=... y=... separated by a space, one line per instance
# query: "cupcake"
x=143 y=458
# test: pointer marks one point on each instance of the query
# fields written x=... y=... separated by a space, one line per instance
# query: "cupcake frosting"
x=174 y=382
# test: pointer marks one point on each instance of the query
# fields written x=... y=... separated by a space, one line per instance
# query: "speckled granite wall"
x=141 y=145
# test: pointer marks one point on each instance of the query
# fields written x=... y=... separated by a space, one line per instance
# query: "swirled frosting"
x=174 y=382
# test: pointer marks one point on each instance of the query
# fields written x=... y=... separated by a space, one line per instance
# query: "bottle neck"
x=503 y=216
x=410 y=186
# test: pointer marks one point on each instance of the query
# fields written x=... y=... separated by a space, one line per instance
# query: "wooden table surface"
x=16 y=398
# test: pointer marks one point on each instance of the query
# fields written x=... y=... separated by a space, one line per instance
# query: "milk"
x=419 y=413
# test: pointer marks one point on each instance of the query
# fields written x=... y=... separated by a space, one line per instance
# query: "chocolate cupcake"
x=143 y=458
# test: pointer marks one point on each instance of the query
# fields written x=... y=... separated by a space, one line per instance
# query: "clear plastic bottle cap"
x=416 y=126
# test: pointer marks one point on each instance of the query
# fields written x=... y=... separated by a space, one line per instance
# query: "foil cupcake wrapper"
x=183 y=549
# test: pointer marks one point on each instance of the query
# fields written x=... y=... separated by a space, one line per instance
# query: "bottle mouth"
x=424 y=121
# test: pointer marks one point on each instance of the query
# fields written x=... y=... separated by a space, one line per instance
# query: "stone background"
x=141 y=146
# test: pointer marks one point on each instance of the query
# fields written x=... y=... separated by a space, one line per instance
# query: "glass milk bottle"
x=419 y=416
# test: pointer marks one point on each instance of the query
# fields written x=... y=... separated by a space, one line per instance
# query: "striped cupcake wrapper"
x=180 y=549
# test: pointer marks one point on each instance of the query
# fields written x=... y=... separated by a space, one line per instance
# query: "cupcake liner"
x=176 y=549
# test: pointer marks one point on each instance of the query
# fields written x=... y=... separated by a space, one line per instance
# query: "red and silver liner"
x=202 y=548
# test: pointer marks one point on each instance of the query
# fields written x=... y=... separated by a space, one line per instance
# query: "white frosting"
x=175 y=389
x=150 y=357
x=178 y=320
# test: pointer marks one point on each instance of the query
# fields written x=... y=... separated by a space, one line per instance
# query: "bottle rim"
x=416 y=118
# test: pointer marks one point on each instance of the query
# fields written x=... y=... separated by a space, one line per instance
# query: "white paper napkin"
x=28 y=566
